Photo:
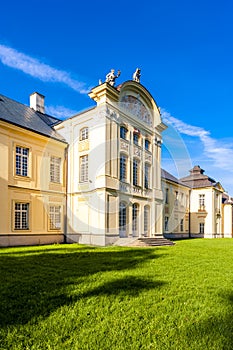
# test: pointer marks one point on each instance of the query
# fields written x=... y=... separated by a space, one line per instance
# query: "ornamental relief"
x=124 y=145
x=83 y=145
x=137 y=152
x=148 y=157
x=133 y=105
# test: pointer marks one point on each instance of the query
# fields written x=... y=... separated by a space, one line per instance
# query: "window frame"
x=136 y=172
x=83 y=168
x=147 y=175
x=55 y=215
x=122 y=216
x=123 y=132
x=84 y=134
x=135 y=139
x=147 y=145
x=146 y=220
x=20 y=159
x=21 y=211
x=201 y=201
x=181 y=225
x=123 y=167
x=166 y=195
x=166 y=223
x=55 y=169
x=201 y=228
x=135 y=216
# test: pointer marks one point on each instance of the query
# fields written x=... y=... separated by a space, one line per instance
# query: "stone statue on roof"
x=137 y=75
x=111 y=77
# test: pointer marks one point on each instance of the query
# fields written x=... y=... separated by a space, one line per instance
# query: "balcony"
x=137 y=190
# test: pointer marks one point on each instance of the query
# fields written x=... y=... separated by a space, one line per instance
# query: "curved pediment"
x=135 y=99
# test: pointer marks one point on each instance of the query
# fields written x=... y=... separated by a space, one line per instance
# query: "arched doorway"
x=146 y=221
x=135 y=212
x=122 y=219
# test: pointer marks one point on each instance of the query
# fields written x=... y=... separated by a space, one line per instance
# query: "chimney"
x=37 y=102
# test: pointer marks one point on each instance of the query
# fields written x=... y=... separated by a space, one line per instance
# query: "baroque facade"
x=96 y=177
x=114 y=176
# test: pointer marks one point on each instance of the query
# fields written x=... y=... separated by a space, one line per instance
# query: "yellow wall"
x=35 y=189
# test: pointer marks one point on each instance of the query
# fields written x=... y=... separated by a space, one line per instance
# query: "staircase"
x=152 y=242
x=144 y=242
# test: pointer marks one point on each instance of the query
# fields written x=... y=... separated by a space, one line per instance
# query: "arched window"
x=146 y=220
x=83 y=134
x=135 y=212
x=122 y=218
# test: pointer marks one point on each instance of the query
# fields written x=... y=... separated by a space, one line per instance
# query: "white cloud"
x=60 y=112
x=32 y=66
x=216 y=150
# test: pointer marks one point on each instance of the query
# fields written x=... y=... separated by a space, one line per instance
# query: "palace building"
x=114 y=174
x=32 y=174
x=96 y=177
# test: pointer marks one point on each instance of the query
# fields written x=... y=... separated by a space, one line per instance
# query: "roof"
x=25 y=117
x=167 y=176
x=226 y=199
x=198 y=179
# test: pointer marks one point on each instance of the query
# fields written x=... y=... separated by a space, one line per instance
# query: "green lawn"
x=78 y=297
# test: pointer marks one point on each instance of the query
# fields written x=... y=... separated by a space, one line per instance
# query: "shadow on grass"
x=216 y=331
x=38 y=282
x=127 y=286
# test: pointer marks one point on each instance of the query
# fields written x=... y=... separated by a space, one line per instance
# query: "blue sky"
x=184 y=49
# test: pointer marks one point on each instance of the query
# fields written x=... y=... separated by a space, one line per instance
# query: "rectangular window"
x=123 y=132
x=201 y=201
x=146 y=220
x=55 y=217
x=181 y=225
x=21 y=161
x=84 y=168
x=167 y=196
x=176 y=197
x=135 y=172
x=55 y=169
x=166 y=223
x=123 y=168
x=147 y=145
x=201 y=227
x=83 y=134
x=21 y=216
x=135 y=138
x=147 y=176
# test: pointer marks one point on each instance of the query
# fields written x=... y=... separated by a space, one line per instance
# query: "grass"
x=77 y=297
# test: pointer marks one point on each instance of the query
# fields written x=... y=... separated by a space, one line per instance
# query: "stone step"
x=153 y=242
